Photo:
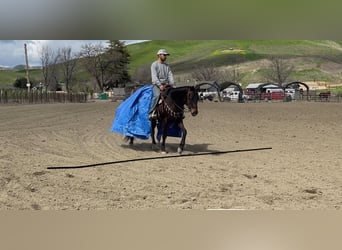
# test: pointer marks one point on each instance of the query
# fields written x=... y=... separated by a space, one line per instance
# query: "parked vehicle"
x=273 y=94
x=206 y=95
x=290 y=94
x=231 y=96
x=252 y=94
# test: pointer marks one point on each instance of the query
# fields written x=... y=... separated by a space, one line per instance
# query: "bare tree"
x=230 y=75
x=68 y=65
x=142 y=74
x=279 y=70
x=49 y=60
x=95 y=63
x=107 y=64
x=203 y=73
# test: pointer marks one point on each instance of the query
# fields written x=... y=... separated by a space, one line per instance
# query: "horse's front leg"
x=164 y=135
x=182 y=142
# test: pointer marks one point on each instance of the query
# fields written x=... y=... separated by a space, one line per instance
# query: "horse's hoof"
x=164 y=152
x=179 y=150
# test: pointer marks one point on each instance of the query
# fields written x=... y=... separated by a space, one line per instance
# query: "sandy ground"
x=301 y=171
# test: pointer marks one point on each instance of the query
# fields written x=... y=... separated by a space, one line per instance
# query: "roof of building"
x=269 y=86
x=253 y=85
x=257 y=85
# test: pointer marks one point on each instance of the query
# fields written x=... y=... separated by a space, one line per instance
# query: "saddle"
x=164 y=94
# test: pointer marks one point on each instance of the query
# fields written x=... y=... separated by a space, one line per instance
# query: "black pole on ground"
x=160 y=157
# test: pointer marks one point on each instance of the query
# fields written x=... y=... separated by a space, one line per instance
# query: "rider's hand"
x=162 y=87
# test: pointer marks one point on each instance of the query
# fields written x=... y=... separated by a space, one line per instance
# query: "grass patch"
x=313 y=74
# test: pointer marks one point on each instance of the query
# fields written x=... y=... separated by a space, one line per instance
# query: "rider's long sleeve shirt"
x=161 y=74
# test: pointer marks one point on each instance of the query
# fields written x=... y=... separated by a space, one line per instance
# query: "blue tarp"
x=131 y=116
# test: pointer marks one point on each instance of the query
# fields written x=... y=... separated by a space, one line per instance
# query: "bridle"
x=190 y=98
x=180 y=113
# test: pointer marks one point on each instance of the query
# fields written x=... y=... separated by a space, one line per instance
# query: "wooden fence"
x=9 y=96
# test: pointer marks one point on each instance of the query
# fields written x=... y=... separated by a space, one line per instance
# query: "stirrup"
x=153 y=115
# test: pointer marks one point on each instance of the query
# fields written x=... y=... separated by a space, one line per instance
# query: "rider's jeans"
x=155 y=98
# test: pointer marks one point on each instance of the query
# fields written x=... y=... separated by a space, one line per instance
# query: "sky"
x=12 y=52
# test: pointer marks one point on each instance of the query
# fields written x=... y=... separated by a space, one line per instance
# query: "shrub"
x=21 y=83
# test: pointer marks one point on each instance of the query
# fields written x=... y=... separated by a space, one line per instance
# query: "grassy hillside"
x=319 y=60
x=7 y=77
x=219 y=51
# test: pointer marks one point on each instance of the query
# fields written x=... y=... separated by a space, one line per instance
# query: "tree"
x=203 y=73
x=49 y=60
x=21 y=83
x=118 y=59
x=108 y=65
x=142 y=74
x=230 y=75
x=279 y=70
x=93 y=59
x=68 y=65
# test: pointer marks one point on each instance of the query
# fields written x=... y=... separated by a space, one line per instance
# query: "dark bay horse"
x=171 y=111
x=324 y=96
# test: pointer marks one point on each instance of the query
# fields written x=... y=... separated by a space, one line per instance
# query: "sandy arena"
x=302 y=171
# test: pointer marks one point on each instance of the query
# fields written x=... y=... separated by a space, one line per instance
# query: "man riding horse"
x=162 y=78
x=138 y=115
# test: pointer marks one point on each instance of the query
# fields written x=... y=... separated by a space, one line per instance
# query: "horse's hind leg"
x=153 y=137
x=129 y=139
x=153 y=126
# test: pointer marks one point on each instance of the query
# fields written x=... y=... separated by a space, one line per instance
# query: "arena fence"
x=312 y=96
x=10 y=96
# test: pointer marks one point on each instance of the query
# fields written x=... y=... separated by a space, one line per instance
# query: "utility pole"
x=27 y=70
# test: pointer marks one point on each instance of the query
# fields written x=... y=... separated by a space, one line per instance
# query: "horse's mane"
x=176 y=91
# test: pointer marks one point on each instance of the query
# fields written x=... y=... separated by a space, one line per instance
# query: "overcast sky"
x=12 y=52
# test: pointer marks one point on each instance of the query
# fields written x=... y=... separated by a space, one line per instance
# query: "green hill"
x=223 y=52
x=7 y=77
x=319 y=60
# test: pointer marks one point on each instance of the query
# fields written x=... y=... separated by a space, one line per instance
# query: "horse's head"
x=192 y=100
